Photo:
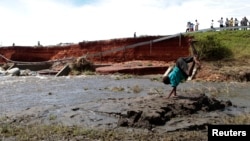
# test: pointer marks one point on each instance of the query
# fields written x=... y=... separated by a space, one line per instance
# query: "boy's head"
x=166 y=80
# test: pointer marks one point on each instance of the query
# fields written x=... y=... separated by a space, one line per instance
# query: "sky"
x=25 y=22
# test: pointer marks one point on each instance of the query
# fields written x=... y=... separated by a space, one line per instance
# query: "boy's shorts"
x=182 y=64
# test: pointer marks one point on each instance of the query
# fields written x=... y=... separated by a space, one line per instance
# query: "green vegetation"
x=137 y=89
x=10 y=131
x=226 y=44
x=47 y=132
x=124 y=76
x=242 y=119
x=52 y=117
x=82 y=66
x=117 y=89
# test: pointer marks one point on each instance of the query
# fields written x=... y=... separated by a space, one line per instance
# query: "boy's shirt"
x=175 y=77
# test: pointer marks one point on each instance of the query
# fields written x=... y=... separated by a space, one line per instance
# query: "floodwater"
x=19 y=93
x=24 y=92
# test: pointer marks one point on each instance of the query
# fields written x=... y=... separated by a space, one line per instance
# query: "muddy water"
x=21 y=93
x=238 y=93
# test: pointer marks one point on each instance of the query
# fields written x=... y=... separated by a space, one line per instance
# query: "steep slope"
x=166 y=50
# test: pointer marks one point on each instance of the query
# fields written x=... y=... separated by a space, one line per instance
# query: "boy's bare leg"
x=190 y=70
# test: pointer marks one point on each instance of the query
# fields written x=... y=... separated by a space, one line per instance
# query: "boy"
x=181 y=71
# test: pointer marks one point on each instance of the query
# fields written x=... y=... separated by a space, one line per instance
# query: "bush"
x=80 y=65
x=211 y=49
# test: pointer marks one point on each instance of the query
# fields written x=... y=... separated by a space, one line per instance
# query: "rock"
x=13 y=71
x=150 y=113
x=122 y=122
x=82 y=64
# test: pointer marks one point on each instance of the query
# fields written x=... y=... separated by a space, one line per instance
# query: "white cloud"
x=24 y=22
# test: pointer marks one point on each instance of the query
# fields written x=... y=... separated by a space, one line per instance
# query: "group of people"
x=190 y=26
x=233 y=22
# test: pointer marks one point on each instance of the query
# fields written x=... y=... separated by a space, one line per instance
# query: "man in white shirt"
x=212 y=24
x=221 y=22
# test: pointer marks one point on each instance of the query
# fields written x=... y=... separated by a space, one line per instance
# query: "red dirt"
x=161 y=51
x=146 y=59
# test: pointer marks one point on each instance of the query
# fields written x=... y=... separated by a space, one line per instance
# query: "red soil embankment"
x=166 y=50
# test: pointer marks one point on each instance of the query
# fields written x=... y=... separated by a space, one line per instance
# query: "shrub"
x=211 y=49
x=81 y=65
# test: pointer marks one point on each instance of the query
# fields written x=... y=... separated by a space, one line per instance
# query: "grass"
x=52 y=117
x=117 y=89
x=124 y=76
x=243 y=119
x=225 y=42
x=85 y=72
x=59 y=132
x=137 y=89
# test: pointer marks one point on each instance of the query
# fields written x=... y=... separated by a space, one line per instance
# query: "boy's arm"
x=197 y=61
x=172 y=92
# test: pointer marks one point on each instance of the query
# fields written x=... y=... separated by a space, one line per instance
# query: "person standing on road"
x=231 y=23
x=196 y=25
x=212 y=24
x=227 y=22
x=221 y=22
x=236 y=23
x=191 y=27
x=188 y=27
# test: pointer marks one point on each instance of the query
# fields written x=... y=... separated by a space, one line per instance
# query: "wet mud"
x=155 y=111
x=114 y=101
